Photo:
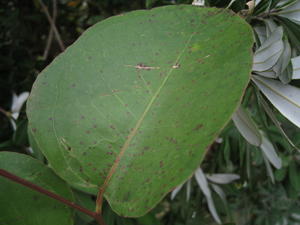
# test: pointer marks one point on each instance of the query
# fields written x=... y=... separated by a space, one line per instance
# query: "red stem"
x=35 y=187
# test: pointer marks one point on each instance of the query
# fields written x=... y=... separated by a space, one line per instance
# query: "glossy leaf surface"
x=132 y=106
x=284 y=97
x=20 y=205
x=246 y=126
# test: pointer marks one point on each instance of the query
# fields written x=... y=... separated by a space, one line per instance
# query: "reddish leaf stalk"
x=50 y=194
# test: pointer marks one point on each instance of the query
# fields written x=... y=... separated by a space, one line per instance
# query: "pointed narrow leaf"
x=292 y=11
x=212 y=210
x=283 y=66
x=133 y=110
x=269 y=168
x=292 y=30
x=270 y=153
x=223 y=178
x=198 y=2
x=20 y=205
x=269 y=52
x=175 y=191
x=285 y=3
x=274 y=37
x=202 y=182
x=296 y=216
x=257 y=2
x=285 y=98
x=246 y=126
x=261 y=33
x=296 y=67
x=272 y=116
x=17 y=103
x=220 y=192
x=261 y=6
x=271 y=26
x=286 y=55
x=269 y=73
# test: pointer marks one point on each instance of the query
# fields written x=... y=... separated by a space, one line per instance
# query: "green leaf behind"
x=20 y=205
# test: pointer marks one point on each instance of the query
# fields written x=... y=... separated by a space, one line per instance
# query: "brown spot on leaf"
x=198 y=127
x=161 y=164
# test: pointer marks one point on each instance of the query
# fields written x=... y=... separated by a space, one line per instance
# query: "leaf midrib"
x=138 y=124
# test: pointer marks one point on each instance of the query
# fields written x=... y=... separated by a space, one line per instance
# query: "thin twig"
x=50 y=35
x=50 y=20
x=48 y=44
x=37 y=188
x=3 y=111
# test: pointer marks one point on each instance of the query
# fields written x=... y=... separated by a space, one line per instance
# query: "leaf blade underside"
x=134 y=115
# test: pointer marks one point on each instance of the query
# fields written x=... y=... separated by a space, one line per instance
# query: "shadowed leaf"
x=20 y=205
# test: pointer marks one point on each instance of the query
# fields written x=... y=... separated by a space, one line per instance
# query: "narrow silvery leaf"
x=286 y=55
x=272 y=116
x=285 y=3
x=261 y=33
x=269 y=52
x=230 y=3
x=202 y=182
x=296 y=67
x=273 y=38
x=286 y=76
x=266 y=58
x=283 y=66
x=257 y=2
x=13 y=124
x=246 y=126
x=285 y=98
x=198 y=2
x=270 y=153
x=280 y=68
x=220 y=192
x=17 y=103
x=296 y=216
x=188 y=190
x=292 y=11
x=175 y=191
x=269 y=168
x=212 y=209
x=271 y=26
x=223 y=178
x=268 y=73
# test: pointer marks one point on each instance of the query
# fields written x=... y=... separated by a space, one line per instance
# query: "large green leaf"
x=20 y=205
x=133 y=105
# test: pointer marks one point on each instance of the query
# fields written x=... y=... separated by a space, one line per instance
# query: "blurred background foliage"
x=262 y=196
